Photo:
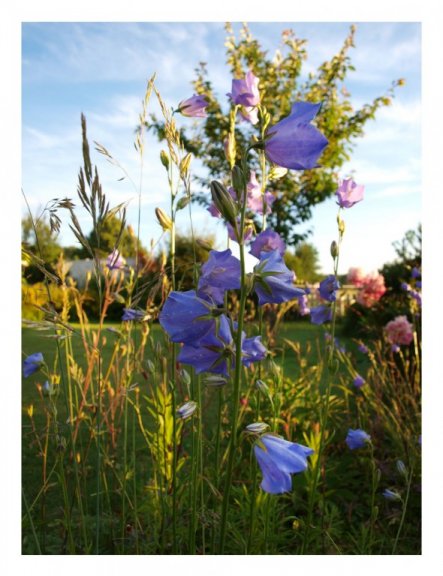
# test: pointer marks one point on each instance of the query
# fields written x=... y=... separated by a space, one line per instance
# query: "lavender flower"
x=273 y=281
x=186 y=317
x=391 y=495
x=194 y=107
x=32 y=363
x=252 y=350
x=132 y=314
x=303 y=307
x=328 y=288
x=362 y=348
x=187 y=410
x=349 y=193
x=267 y=241
x=357 y=439
x=219 y=273
x=115 y=261
x=321 y=314
x=255 y=198
x=278 y=459
x=245 y=92
x=415 y=272
x=358 y=381
x=293 y=142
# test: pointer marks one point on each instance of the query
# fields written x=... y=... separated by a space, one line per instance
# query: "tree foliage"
x=280 y=86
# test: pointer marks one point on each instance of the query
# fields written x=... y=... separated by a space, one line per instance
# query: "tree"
x=280 y=87
x=38 y=237
x=305 y=262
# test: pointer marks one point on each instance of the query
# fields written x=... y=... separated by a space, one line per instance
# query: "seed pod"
x=223 y=202
x=163 y=219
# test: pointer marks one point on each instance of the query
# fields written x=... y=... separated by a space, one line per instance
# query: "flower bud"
x=334 y=249
x=230 y=149
x=257 y=427
x=184 y=165
x=163 y=219
x=215 y=381
x=164 y=159
x=187 y=410
x=402 y=468
x=238 y=179
x=260 y=385
x=223 y=202
x=341 y=225
x=183 y=202
x=391 y=495
x=277 y=172
x=185 y=377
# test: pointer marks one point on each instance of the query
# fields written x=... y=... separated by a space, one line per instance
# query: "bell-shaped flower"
x=267 y=241
x=186 y=317
x=293 y=142
x=255 y=198
x=349 y=193
x=187 y=410
x=194 y=107
x=278 y=459
x=249 y=114
x=131 y=314
x=321 y=314
x=358 y=381
x=357 y=439
x=115 y=261
x=245 y=92
x=273 y=281
x=221 y=272
x=253 y=350
x=328 y=288
x=32 y=363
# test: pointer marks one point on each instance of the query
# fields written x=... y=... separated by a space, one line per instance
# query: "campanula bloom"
x=255 y=198
x=391 y=495
x=273 y=281
x=187 y=410
x=194 y=107
x=245 y=92
x=32 y=363
x=349 y=193
x=278 y=459
x=358 y=381
x=321 y=314
x=132 y=314
x=293 y=142
x=267 y=241
x=221 y=272
x=303 y=305
x=115 y=261
x=415 y=272
x=186 y=317
x=362 y=348
x=328 y=288
x=253 y=350
x=357 y=439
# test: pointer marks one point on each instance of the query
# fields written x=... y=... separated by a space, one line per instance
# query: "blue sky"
x=101 y=69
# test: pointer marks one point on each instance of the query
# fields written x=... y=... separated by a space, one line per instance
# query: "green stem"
x=403 y=515
x=28 y=512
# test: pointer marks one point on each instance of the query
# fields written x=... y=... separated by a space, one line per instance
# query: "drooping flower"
x=357 y=439
x=249 y=114
x=399 y=331
x=328 y=288
x=255 y=198
x=221 y=272
x=321 y=314
x=187 y=410
x=186 y=317
x=293 y=142
x=278 y=459
x=358 y=381
x=415 y=272
x=391 y=495
x=273 y=281
x=115 y=261
x=32 y=363
x=349 y=193
x=130 y=314
x=253 y=350
x=303 y=305
x=245 y=92
x=194 y=107
x=267 y=241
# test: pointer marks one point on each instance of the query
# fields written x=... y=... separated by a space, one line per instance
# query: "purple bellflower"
x=221 y=272
x=357 y=439
x=252 y=350
x=303 y=305
x=278 y=459
x=194 y=107
x=132 y=314
x=267 y=241
x=349 y=193
x=293 y=142
x=358 y=381
x=321 y=314
x=415 y=272
x=32 y=363
x=273 y=281
x=186 y=317
x=245 y=92
x=362 y=348
x=391 y=495
x=114 y=261
x=328 y=288
x=255 y=198
x=187 y=410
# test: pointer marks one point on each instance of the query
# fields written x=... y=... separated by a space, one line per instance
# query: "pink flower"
x=255 y=197
x=372 y=289
x=399 y=331
x=194 y=107
x=250 y=114
x=349 y=193
x=245 y=92
x=356 y=276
